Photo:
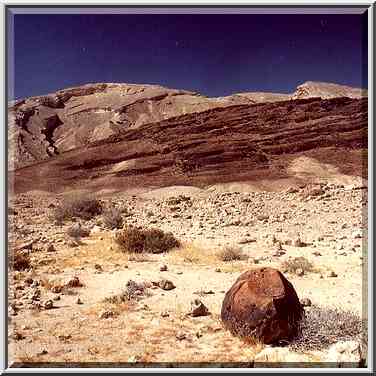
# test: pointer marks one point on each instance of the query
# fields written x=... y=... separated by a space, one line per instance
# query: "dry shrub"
x=76 y=231
x=322 y=327
x=136 y=240
x=291 y=265
x=112 y=218
x=78 y=207
x=133 y=291
x=231 y=253
x=20 y=261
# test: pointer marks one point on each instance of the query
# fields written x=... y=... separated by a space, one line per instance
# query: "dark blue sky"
x=212 y=54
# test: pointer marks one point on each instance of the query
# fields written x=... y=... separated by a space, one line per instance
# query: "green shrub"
x=136 y=240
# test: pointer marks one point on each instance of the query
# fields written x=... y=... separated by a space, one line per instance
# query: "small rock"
x=180 y=336
x=332 y=274
x=48 y=304
x=299 y=272
x=57 y=289
x=79 y=301
x=107 y=314
x=297 y=242
x=17 y=336
x=217 y=270
x=166 y=285
x=50 y=248
x=74 y=282
x=165 y=314
x=98 y=267
x=306 y=302
x=163 y=268
x=198 y=308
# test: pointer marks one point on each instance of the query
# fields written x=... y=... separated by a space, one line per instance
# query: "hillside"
x=46 y=126
x=234 y=143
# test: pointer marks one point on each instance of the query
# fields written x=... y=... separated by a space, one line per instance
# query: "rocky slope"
x=46 y=126
x=265 y=141
x=327 y=90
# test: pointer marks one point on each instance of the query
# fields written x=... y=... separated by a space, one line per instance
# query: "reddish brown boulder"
x=262 y=304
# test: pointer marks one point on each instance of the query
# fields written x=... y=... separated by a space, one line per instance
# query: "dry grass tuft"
x=112 y=218
x=192 y=254
x=291 y=265
x=231 y=253
x=136 y=240
x=77 y=207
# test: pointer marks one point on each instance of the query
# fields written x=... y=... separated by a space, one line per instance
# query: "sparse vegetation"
x=322 y=327
x=136 y=240
x=133 y=291
x=76 y=231
x=78 y=207
x=20 y=261
x=291 y=265
x=112 y=218
x=231 y=253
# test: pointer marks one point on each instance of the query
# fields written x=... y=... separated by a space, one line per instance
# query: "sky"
x=215 y=55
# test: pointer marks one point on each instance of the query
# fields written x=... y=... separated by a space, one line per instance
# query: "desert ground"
x=324 y=224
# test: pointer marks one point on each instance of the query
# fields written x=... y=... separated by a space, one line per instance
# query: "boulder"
x=262 y=304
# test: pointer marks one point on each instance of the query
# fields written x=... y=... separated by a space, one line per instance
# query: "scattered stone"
x=79 y=301
x=107 y=314
x=250 y=306
x=299 y=272
x=198 y=308
x=57 y=289
x=180 y=336
x=163 y=268
x=217 y=270
x=48 y=304
x=332 y=274
x=165 y=314
x=74 y=282
x=98 y=267
x=50 y=248
x=17 y=336
x=306 y=302
x=297 y=242
x=166 y=285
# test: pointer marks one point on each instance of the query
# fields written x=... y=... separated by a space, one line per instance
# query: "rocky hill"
x=257 y=142
x=46 y=126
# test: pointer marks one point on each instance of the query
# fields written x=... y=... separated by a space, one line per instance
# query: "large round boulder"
x=262 y=304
